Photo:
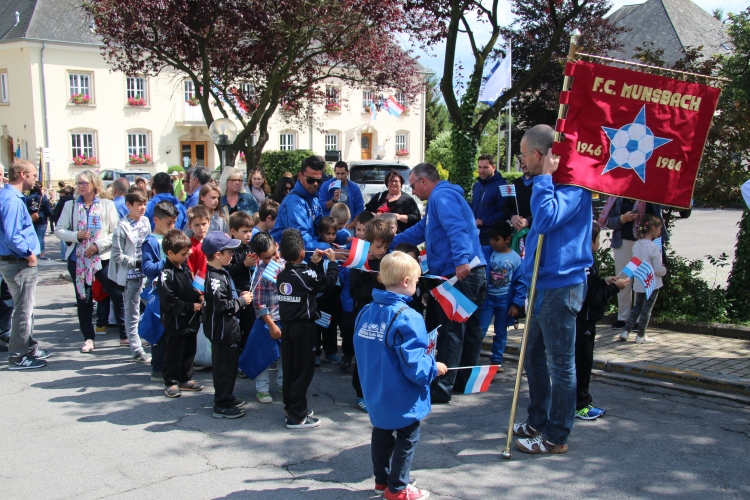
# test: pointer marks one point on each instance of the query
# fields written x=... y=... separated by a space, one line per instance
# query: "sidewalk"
x=698 y=360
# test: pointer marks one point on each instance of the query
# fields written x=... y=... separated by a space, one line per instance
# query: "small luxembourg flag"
x=658 y=243
x=324 y=321
x=199 y=281
x=335 y=185
x=480 y=379
x=272 y=270
x=632 y=266
x=373 y=111
x=507 y=190
x=645 y=274
x=393 y=107
x=455 y=304
x=432 y=342
x=358 y=255
x=423 y=261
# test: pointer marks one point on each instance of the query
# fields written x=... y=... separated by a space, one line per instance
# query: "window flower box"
x=333 y=107
x=366 y=109
x=85 y=160
x=193 y=101
x=80 y=99
x=136 y=101
x=402 y=152
x=140 y=159
x=289 y=107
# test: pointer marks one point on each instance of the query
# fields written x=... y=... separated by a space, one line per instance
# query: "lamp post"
x=223 y=132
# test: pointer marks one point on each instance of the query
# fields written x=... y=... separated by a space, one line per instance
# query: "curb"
x=726 y=330
x=693 y=378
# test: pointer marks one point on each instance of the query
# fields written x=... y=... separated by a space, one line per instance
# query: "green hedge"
x=175 y=168
x=511 y=176
x=275 y=163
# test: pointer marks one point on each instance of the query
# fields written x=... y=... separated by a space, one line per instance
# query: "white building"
x=57 y=91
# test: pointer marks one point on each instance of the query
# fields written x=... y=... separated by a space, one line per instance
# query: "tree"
x=436 y=114
x=247 y=58
x=541 y=30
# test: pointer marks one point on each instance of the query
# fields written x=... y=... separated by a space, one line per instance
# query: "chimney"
x=18 y=19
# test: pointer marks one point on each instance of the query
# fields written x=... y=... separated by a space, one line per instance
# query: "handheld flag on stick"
x=480 y=378
x=335 y=185
x=324 y=321
x=630 y=269
x=272 y=270
x=199 y=281
x=432 y=342
x=455 y=304
x=658 y=243
x=645 y=274
x=507 y=190
x=423 y=261
x=358 y=255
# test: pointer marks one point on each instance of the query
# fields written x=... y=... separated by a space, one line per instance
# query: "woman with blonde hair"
x=234 y=198
x=86 y=225
x=259 y=186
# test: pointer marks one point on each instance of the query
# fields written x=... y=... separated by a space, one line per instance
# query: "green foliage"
x=488 y=140
x=444 y=174
x=436 y=115
x=439 y=151
x=275 y=163
x=175 y=168
x=511 y=176
x=738 y=284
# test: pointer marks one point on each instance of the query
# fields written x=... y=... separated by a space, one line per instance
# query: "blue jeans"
x=458 y=344
x=41 y=231
x=550 y=356
x=63 y=248
x=496 y=306
x=392 y=456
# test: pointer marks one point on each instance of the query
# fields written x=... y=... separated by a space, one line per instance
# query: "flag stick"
x=532 y=289
x=467 y=367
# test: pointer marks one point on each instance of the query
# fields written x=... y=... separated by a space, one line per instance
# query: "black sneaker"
x=26 y=363
x=231 y=412
x=346 y=362
x=239 y=402
x=307 y=423
x=40 y=354
x=309 y=413
x=618 y=324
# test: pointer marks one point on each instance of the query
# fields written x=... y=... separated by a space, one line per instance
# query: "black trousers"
x=179 y=354
x=585 y=334
x=298 y=342
x=327 y=336
x=356 y=384
x=224 y=357
x=346 y=325
x=6 y=307
x=247 y=318
x=392 y=456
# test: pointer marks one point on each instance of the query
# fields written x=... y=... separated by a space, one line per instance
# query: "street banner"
x=633 y=134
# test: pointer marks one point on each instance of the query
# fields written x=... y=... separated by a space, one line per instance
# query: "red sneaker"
x=380 y=488
x=408 y=493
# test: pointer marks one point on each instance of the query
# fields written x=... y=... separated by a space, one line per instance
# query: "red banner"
x=633 y=134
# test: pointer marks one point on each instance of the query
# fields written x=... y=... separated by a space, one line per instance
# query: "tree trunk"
x=464 y=145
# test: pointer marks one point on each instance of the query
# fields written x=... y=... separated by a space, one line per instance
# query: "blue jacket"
x=121 y=206
x=448 y=229
x=487 y=203
x=193 y=199
x=300 y=210
x=38 y=204
x=246 y=203
x=355 y=202
x=517 y=291
x=151 y=261
x=563 y=214
x=347 y=302
x=17 y=234
x=395 y=369
x=181 y=221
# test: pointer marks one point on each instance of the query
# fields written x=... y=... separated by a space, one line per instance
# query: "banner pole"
x=532 y=289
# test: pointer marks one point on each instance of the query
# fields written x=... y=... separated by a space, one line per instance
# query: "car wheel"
x=685 y=213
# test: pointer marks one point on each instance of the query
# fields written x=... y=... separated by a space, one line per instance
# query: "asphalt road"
x=95 y=426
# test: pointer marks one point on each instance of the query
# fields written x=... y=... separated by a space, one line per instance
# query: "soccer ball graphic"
x=632 y=145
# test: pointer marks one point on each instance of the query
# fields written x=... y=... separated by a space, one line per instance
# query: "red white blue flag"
x=358 y=255
x=629 y=270
x=393 y=107
x=480 y=379
x=423 y=261
x=199 y=281
x=455 y=304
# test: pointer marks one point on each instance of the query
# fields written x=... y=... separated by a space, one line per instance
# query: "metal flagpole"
x=499 y=121
x=507 y=146
x=532 y=289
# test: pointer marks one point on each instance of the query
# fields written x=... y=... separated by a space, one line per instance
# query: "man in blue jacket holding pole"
x=452 y=241
x=563 y=214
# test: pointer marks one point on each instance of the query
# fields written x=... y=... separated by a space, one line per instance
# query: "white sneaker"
x=645 y=339
x=622 y=337
x=88 y=346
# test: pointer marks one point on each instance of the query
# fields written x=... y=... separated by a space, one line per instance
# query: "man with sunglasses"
x=19 y=246
x=301 y=209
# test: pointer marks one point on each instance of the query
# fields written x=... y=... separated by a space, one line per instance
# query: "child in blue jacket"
x=506 y=291
x=396 y=371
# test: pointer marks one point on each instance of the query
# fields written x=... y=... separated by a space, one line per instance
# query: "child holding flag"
x=329 y=301
x=396 y=375
x=181 y=306
x=647 y=277
x=243 y=262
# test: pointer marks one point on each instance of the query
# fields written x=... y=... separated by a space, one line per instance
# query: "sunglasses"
x=82 y=183
x=313 y=180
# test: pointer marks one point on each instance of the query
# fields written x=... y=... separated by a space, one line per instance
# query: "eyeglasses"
x=82 y=183
x=313 y=180
x=520 y=157
x=234 y=180
x=394 y=180
x=415 y=183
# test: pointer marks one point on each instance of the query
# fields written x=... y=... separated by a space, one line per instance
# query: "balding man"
x=563 y=214
x=199 y=177
x=119 y=190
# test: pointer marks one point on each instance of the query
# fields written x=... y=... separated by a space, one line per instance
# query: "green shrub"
x=511 y=176
x=275 y=163
x=175 y=168
x=440 y=151
x=738 y=284
x=444 y=174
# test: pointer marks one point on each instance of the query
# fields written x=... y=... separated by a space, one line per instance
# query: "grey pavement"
x=95 y=426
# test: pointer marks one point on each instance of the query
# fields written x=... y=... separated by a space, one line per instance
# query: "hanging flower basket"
x=193 y=101
x=80 y=99
x=402 y=152
x=85 y=160
x=136 y=101
x=139 y=159
x=333 y=107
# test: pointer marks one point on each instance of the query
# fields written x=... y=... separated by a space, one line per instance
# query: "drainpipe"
x=44 y=112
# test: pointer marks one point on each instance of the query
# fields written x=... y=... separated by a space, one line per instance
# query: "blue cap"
x=216 y=241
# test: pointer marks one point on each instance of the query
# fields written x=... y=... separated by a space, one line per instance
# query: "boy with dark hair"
x=416 y=300
x=220 y=322
x=360 y=224
x=266 y=216
x=328 y=302
x=506 y=292
x=297 y=285
x=241 y=267
x=165 y=215
x=362 y=283
x=397 y=370
x=180 y=306
x=125 y=268
x=198 y=222
x=599 y=291
x=161 y=186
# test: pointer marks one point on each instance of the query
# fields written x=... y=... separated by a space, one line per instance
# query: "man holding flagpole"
x=563 y=214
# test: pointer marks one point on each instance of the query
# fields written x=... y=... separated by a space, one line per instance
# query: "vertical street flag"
x=199 y=281
x=480 y=379
x=272 y=270
x=629 y=270
x=498 y=81
x=455 y=304
x=358 y=255
x=632 y=134
x=645 y=274
x=393 y=107
x=507 y=190
x=324 y=321
x=423 y=261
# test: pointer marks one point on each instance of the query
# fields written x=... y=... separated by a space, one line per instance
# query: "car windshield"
x=375 y=174
x=131 y=177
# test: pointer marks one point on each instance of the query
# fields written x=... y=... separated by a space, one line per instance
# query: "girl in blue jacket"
x=396 y=369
